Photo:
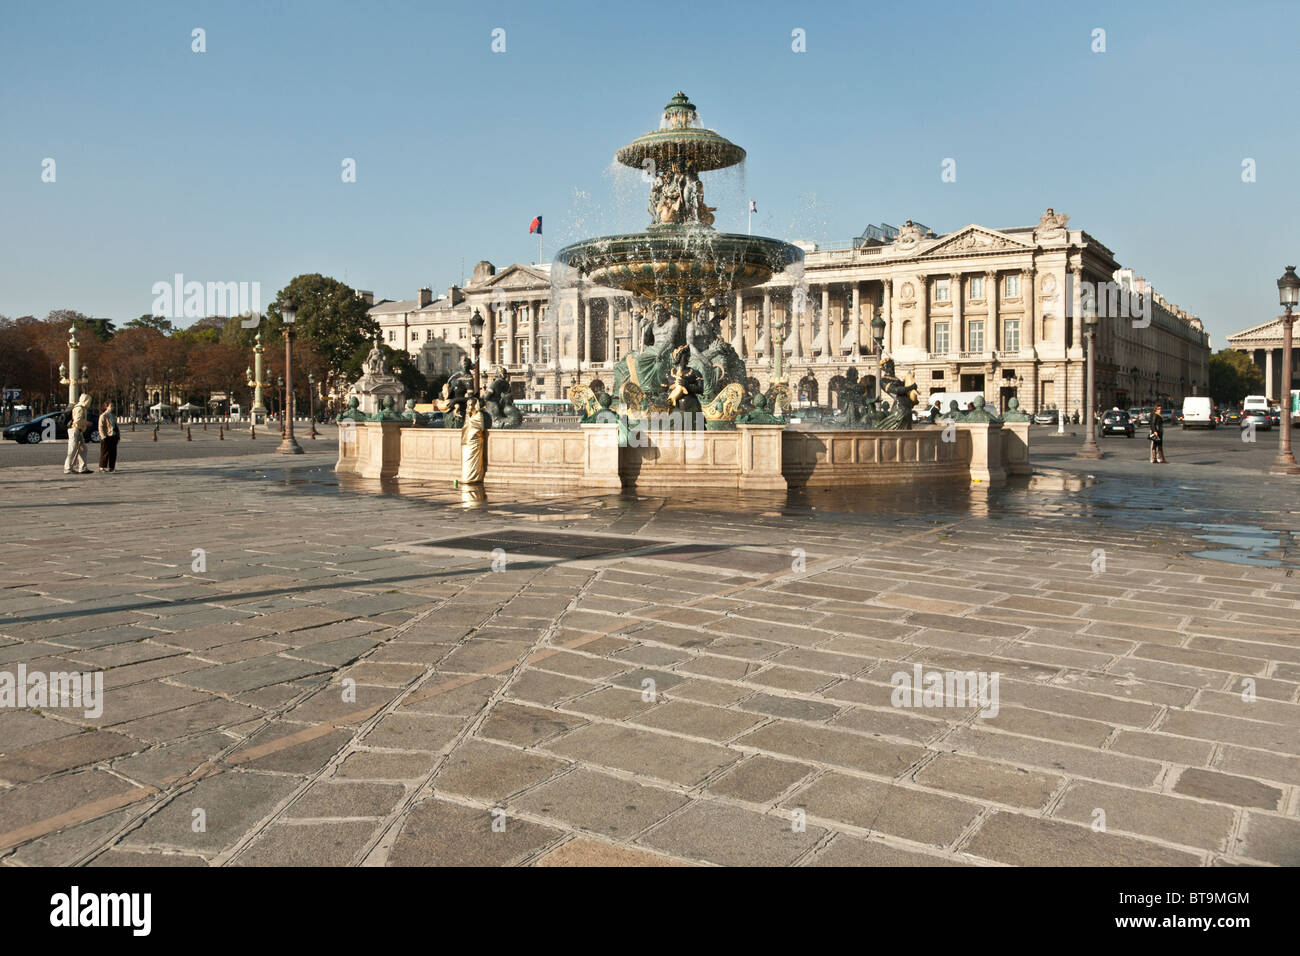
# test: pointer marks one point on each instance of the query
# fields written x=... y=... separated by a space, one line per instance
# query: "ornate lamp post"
x=1288 y=288
x=73 y=375
x=779 y=328
x=878 y=333
x=257 y=414
x=476 y=332
x=1090 y=449
x=289 y=446
x=311 y=402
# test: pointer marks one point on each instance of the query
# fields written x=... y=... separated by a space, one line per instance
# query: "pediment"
x=974 y=240
x=516 y=277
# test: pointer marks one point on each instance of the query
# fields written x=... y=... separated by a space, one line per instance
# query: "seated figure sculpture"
x=353 y=412
x=759 y=415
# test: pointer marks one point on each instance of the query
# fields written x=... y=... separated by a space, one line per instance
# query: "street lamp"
x=1090 y=449
x=476 y=332
x=878 y=332
x=1288 y=288
x=73 y=374
x=289 y=446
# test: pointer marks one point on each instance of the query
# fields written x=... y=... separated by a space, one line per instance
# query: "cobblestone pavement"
x=298 y=673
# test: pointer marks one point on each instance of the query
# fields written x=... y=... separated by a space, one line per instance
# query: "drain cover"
x=546 y=545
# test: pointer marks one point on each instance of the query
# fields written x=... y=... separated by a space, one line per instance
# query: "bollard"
x=252 y=431
x=205 y=424
x=187 y=434
x=221 y=435
x=155 y=433
x=133 y=424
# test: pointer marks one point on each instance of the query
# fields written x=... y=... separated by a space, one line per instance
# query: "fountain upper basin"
x=679 y=261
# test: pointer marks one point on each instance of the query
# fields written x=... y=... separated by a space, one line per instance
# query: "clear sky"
x=226 y=165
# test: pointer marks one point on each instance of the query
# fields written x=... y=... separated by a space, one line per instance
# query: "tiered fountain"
x=685 y=270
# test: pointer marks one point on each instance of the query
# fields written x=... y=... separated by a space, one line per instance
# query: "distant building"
x=1263 y=343
x=977 y=309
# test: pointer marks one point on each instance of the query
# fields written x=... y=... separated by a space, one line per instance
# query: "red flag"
x=535 y=226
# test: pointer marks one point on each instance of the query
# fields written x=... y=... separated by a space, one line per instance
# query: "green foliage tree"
x=1233 y=376
x=147 y=321
x=330 y=317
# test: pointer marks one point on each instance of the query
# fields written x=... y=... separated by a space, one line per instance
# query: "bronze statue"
x=759 y=415
x=354 y=412
x=905 y=396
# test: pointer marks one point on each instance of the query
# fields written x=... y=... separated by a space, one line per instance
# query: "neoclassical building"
x=977 y=310
x=1263 y=343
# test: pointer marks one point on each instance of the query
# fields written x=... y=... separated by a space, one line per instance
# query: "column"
x=584 y=350
x=1076 y=308
x=923 y=312
x=958 y=337
x=1269 y=388
x=764 y=346
x=609 y=334
x=886 y=313
x=992 y=334
x=738 y=324
x=794 y=321
x=533 y=319
x=855 y=325
x=1029 y=325
x=489 y=333
x=511 y=328
x=827 y=347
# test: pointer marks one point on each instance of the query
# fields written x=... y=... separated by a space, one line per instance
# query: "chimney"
x=423 y=297
x=366 y=296
x=455 y=296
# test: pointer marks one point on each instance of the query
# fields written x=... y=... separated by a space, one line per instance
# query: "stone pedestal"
x=370 y=449
x=986 y=467
x=1015 y=448
x=760 y=457
x=600 y=464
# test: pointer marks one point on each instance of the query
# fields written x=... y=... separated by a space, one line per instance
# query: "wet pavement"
x=347 y=672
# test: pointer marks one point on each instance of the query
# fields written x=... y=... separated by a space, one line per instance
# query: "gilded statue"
x=473 y=443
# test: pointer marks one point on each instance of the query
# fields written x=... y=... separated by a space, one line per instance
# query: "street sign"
x=13 y=394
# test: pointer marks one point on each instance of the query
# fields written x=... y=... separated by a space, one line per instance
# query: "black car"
x=1117 y=423
x=38 y=429
x=1232 y=416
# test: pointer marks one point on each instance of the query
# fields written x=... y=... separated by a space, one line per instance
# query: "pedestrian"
x=76 y=460
x=1157 y=437
x=108 y=439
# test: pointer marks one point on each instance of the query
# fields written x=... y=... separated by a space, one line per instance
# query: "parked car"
x=1116 y=422
x=35 y=430
x=1047 y=416
x=1257 y=417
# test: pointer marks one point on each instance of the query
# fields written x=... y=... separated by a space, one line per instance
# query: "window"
x=977 y=287
x=392 y=335
x=976 y=336
x=941 y=290
x=428 y=335
x=1011 y=335
x=499 y=351
x=1011 y=285
x=521 y=349
x=460 y=333
x=544 y=350
x=941 y=342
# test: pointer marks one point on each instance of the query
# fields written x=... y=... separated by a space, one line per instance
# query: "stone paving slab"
x=327 y=696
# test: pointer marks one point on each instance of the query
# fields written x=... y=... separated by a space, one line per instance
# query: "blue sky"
x=225 y=165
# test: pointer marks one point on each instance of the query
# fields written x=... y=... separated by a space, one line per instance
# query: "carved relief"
x=1051 y=226
x=907 y=293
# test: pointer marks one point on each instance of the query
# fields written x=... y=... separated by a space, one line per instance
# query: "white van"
x=1255 y=403
x=1198 y=412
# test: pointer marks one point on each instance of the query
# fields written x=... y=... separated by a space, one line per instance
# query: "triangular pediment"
x=974 y=240
x=1268 y=331
x=516 y=277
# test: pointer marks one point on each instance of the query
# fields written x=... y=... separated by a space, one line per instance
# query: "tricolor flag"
x=535 y=226
x=753 y=206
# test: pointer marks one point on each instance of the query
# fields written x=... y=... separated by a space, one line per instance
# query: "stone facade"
x=1263 y=343
x=975 y=310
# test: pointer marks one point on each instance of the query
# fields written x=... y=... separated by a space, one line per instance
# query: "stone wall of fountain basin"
x=753 y=457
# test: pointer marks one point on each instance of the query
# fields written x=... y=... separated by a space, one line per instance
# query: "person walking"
x=1157 y=437
x=76 y=460
x=108 y=439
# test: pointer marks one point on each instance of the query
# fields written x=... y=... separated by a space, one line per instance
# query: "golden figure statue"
x=473 y=444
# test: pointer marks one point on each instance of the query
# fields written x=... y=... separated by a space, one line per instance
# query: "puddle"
x=1242 y=544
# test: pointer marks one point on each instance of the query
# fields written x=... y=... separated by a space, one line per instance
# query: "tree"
x=1233 y=376
x=331 y=319
x=147 y=321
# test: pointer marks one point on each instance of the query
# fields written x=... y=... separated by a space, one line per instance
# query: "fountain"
x=685 y=269
x=684 y=421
